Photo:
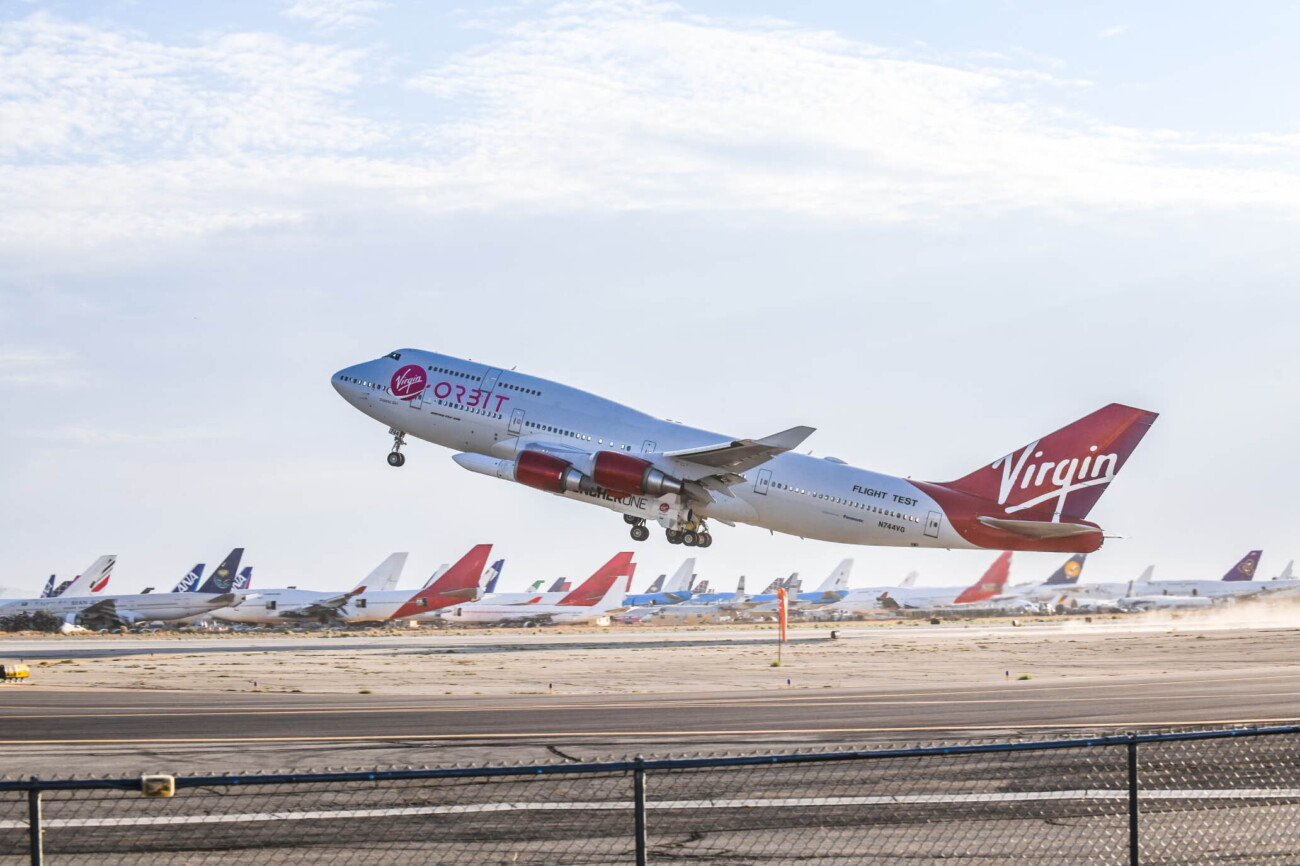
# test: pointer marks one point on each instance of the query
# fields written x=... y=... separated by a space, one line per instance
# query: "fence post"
x=35 y=831
x=638 y=797
x=1133 y=851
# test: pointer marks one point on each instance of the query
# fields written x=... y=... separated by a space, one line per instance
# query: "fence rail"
x=1181 y=797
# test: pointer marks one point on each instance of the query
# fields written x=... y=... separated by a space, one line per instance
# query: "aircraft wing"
x=326 y=611
x=742 y=455
x=105 y=610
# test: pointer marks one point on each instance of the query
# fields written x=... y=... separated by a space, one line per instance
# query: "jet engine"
x=552 y=474
x=628 y=475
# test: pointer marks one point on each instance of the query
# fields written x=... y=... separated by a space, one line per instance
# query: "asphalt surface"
x=32 y=715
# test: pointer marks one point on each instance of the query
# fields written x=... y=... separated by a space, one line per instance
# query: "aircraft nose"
x=348 y=382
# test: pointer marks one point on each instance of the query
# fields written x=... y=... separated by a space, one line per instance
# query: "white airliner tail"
x=93 y=579
x=838 y=580
x=681 y=579
x=910 y=580
x=384 y=577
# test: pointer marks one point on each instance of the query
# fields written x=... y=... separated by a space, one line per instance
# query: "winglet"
x=788 y=440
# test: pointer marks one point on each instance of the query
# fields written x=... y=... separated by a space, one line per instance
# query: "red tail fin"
x=990 y=584
x=1063 y=474
x=457 y=584
x=593 y=589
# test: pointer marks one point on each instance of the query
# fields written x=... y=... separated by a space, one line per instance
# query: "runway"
x=33 y=715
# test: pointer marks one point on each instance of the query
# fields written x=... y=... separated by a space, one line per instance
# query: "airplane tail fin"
x=536 y=586
x=1143 y=578
x=459 y=583
x=1285 y=575
x=838 y=580
x=1062 y=474
x=793 y=584
x=1068 y=573
x=910 y=580
x=991 y=583
x=603 y=583
x=245 y=579
x=190 y=582
x=94 y=579
x=223 y=578
x=49 y=587
x=681 y=579
x=492 y=575
x=656 y=585
x=561 y=585
x=385 y=575
x=1245 y=569
x=701 y=588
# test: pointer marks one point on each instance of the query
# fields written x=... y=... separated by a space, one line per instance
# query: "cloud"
x=1110 y=32
x=108 y=136
x=22 y=366
x=328 y=15
x=81 y=435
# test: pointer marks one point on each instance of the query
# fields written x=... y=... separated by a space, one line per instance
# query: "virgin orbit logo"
x=408 y=382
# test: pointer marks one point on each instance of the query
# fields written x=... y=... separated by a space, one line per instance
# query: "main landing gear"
x=639 y=531
x=694 y=534
x=396 y=457
x=697 y=537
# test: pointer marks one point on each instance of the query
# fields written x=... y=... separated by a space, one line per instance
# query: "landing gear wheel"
x=632 y=519
x=640 y=533
x=690 y=539
x=673 y=536
x=705 y=540
x=395 y=457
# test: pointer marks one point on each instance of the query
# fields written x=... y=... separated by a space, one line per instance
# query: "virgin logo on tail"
x=1074 y=463
x=1064 y=477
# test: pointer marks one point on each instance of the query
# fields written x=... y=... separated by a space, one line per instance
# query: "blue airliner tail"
x=190 y=581
x=223 y=579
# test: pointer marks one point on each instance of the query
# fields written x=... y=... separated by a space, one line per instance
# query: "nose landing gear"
x=396 y=457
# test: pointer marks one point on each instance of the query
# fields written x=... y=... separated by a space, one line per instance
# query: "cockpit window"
x=396 y=356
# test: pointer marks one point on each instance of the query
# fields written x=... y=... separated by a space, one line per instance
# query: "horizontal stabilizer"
x=1038 y=529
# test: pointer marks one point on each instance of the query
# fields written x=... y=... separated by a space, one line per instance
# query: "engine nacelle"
x=552 y=474
x=623 y=473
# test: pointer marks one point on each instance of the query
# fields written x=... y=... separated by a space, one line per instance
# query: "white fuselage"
x=143 y=607
x=473 y=408
x=272 y=606
x=870 y=597
x=480 y=612
x=377 y=606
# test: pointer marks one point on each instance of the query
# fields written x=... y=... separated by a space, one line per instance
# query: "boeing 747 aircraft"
x=571 y=443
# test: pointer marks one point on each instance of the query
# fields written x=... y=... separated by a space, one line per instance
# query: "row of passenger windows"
x=547 y=428
x=473 y=410
x=363 y=384
x=897 y=515
x=444 y=371
x=521 y=390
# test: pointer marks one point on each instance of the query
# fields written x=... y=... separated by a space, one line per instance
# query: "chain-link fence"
x=1189 y=797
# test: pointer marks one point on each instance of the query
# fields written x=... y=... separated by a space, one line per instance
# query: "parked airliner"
x=572 y=443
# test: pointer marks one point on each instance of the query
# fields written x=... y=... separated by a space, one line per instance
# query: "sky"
x=934 y=231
